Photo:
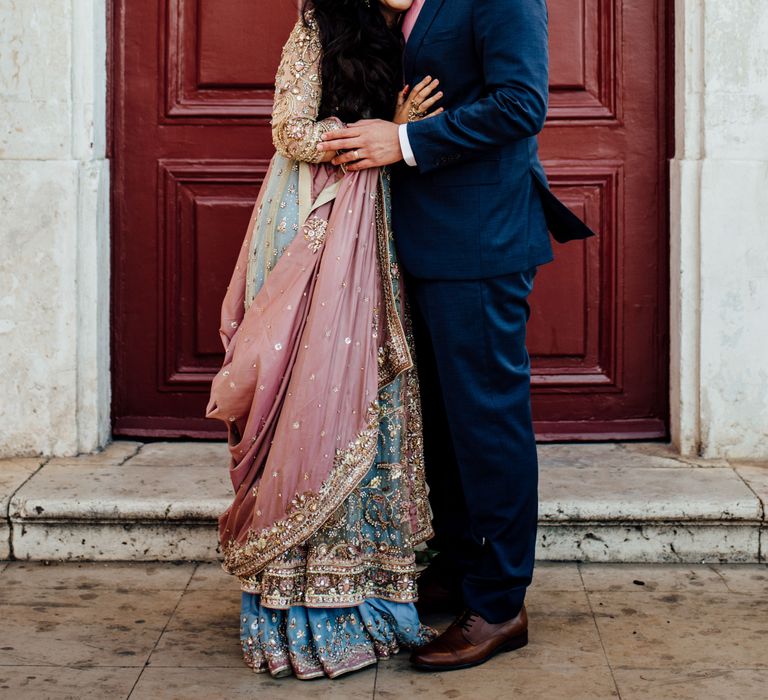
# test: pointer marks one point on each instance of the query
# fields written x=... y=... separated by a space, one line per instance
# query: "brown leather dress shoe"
x=438 y=594
x=471 y=641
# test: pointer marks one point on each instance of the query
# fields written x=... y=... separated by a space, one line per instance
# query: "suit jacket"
x=478 y=204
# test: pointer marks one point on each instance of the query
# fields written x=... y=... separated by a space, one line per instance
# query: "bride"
x=318 y=388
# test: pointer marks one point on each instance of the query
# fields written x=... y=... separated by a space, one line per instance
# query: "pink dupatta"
x=304 y=364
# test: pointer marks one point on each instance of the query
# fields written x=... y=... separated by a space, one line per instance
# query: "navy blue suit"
x=471 y=222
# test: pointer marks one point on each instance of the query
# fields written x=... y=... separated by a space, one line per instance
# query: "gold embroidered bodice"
x=295 y=128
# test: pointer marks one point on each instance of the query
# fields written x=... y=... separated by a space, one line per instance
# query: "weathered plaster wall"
x=54 y=257
x=720 y=230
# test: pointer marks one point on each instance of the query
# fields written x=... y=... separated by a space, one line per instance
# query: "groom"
x=471 y=210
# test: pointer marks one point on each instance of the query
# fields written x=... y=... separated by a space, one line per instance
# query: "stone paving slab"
x=90 y=576
x=77 y=628
x=756 y=478
x=195 y=637
x=643 y=494
x=183 y=454
x=124 y=492
x=209 y=576
x=115 y=453
x=13 y=473
x=89 y=510
x=679 y=684
x=597 y=631
x=64 y=683
x=641 y=578
x=599 y=502
x=612 y=454
x=499 y=678
x=748 y=580
x=692 y=630
x=210 y=683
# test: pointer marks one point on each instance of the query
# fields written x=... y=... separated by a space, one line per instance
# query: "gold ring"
x=356 y=154
x=415 y=113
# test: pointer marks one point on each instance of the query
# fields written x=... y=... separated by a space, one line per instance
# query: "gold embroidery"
x=281 y=642
x=421 y=517
x=341 y=578
x=394 y=354
x=401 y=353
x=308 y=511
x=314 y=233
x=295 y=129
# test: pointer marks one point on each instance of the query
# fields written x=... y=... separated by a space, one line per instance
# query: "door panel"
x=192 y=89
x=598 y=333
x=219 y=56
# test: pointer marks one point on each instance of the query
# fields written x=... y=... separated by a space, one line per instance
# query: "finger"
x=340 y=144
x=422 y=84
x=428 y=89
x=349 y=157
x=435 y=113
x=361 y=165
x=347 y=133
x=430 y=101
x=346 y=158
x=401 y=97
x=340 y=134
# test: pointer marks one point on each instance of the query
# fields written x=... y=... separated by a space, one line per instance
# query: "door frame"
x=670 y=291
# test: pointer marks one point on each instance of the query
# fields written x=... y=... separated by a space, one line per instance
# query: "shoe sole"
x=515 y=643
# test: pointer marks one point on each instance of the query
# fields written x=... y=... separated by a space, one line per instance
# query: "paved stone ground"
x=161 y=631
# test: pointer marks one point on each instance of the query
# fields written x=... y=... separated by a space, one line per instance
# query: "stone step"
x=599 y=502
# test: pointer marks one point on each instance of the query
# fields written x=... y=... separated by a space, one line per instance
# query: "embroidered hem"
x=333 y=586
x=311 y=643
x=305 y=515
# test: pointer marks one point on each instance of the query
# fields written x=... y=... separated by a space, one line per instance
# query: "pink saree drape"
x=304 y=365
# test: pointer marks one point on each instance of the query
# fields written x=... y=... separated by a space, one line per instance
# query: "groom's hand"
x=369 y=143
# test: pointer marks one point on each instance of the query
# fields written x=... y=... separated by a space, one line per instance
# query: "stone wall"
x=54 y=236
x=719 y=393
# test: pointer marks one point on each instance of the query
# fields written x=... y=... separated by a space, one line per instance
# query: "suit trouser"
x=480 y=448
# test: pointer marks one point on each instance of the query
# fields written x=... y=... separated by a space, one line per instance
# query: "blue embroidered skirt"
x=315 y=642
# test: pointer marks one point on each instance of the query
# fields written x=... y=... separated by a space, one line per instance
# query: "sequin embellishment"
x=314 y=233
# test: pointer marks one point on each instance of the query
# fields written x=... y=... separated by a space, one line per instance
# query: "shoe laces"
x=467 y=620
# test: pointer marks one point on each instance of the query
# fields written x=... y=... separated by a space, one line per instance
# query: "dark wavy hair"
x=361 y=67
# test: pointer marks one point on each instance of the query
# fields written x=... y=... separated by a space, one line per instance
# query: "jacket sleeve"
x=295 y=128
x=511 y=37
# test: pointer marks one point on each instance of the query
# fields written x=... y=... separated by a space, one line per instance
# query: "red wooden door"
x=599 y=334
x=192 y=90
x=192 y=84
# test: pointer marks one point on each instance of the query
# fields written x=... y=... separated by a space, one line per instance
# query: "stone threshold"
x=610 y=502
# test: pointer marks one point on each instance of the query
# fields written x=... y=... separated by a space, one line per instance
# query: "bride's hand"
x=414 y=105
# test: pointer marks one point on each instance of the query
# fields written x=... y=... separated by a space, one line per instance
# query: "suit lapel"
x=423 y=23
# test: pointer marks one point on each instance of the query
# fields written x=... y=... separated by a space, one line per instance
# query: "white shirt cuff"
x=405 y=145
